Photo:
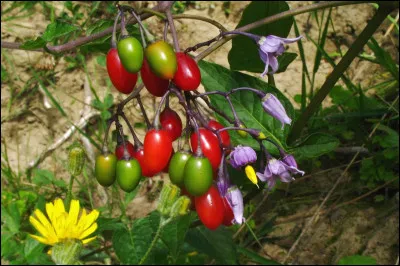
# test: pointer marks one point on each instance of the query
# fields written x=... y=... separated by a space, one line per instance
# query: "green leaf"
x=108 y=101
x=4 y=74
x=173 y=234
x=32 y=249
x=284 y=61
x=255 y=257
x=45 y=177
x=357 y=260
x=57 y=29
x=244 y=54
x=99 y=26
x=384 y=58
x=131 y=245
x=11 y=218
x=316 y=145
x=34 y=44
x=101 y=60
x=217 y=244
x=113 y=224
x=247 y=105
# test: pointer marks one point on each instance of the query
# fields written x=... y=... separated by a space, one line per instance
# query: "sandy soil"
x=37 y=127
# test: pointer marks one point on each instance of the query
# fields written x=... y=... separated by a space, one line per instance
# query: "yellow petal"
x=251 y=174
x=73 y=213
x=58 y=207
x=40 y=239
x=45 y=222
x=50 y=211
x=90 y=219
x=87 y=240
x=39 y=227
x=89 y=231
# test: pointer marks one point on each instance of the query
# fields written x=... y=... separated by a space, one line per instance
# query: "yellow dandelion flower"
x=61 y=226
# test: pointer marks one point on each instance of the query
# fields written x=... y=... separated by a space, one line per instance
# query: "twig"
x=83 y=40
x=310 y=222
x=351 y=150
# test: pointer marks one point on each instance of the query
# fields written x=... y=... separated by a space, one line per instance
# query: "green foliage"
x=357 y=260
x=104 y=106
x=217 y=244
x=247 y=104
x=316 y=145
x=244 y=54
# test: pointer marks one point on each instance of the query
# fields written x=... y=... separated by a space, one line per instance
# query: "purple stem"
x=139 y=100
x=136 y=140
x=114 y=33
x=105 y=141
x=118 y=126
x=156 y=122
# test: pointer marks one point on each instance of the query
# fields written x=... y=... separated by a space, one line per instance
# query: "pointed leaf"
x=247 y=105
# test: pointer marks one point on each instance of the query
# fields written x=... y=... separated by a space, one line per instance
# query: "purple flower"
x=235 y=199
x=271 y=47
x=292 y=164
x=273 y=106
x=275 y=169
x=242 y=156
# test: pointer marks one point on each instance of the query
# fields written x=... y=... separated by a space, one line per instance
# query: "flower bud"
x=242 y=133
x=168 y=196
x=180 y=207
x=273 y=106
x=67 y=252
x=235 y=200
x=76 y=159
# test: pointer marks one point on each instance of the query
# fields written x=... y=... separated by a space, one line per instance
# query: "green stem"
x=160 y=226
x=337 y=72
x=271 y=80
x=69 y=195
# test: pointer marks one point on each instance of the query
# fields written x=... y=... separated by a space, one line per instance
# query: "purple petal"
x=286 y=177
x=273 y=63
x=276 y=167
x=235 y=199
x=286 y=40
x=271 y=183
x=265 y=59
x=273 y=106
x=269 y=44
x=262 y=177
x=242 y=156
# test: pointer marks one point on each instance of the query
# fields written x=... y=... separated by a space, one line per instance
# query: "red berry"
x=210 y=208
x=228 y=213
x=122 y=80
x=187 y=76
x=171 y=122
x=157 y=149
x=154 y=84
x=209 y=145
x=139 y=155
x=226 y=140
x=119 y=150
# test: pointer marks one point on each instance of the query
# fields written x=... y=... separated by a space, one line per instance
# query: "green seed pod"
x=76 y=159
x=67 y=252
x=181 y=206
x=168 y=196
